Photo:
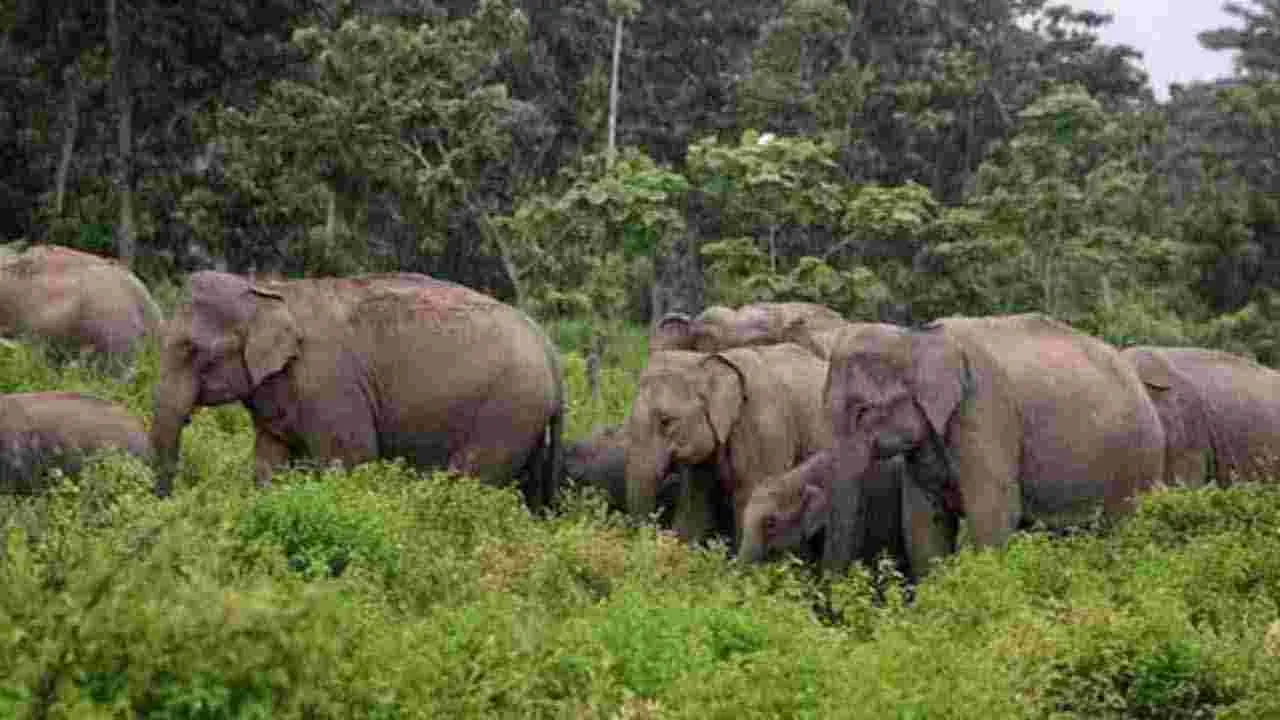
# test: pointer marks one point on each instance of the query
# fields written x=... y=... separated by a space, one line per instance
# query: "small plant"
x=318 y=535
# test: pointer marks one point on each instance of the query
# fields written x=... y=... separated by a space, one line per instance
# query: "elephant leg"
x=991 y=494
x=694 y=519
x=269 y=453
x=499 y=443
x=930 y=530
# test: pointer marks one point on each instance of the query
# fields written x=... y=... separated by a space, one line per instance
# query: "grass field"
x=385 y=594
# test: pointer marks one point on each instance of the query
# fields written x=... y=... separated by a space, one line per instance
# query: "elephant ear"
x=939 y=376
x=273 y=338
x=725 y=393
x=1153 y=369
x=672 y=332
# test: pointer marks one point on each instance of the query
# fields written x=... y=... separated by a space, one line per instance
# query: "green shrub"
x=318 y=535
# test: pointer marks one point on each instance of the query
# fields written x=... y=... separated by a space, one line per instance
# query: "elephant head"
x=787 y=510
x=682 y=416
x=890 y=391
x=221 y=345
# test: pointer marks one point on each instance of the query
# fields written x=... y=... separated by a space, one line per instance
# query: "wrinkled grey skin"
x=44 y=430
x=1005 y=421
x=375 y=366
x=747 y=413
x=1220 y=412
x=721 y=328
x=56 y=293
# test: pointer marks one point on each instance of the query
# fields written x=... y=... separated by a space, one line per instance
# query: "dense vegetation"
x=895 y=161
x=382 y=593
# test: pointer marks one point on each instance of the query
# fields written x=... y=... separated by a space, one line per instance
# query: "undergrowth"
x=388 y=593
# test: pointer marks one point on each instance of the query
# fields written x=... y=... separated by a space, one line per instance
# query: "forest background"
x=896 y=162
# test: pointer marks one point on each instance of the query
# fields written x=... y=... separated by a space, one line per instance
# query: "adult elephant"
x=44 y=430
x=1003 y=420
x=721 y=328
x=375 y=366
x=746 y=413
x=1220 y=412
x=65 y=295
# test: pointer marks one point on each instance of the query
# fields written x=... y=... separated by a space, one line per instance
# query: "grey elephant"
x=375 y=366
x=743 y=415
x=65 y=295
x=1220 y=412
x=44 y=430
x=600 y=461
x=1003 y=420
x=833 y=537
x=721 y=328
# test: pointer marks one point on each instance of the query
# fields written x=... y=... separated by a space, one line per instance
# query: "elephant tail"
x=553 y=457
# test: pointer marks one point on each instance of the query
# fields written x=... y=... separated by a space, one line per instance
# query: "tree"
x=579 y=246
x=1082 y=212
x=399 y=105
x=1257 y=45
x=621 y=9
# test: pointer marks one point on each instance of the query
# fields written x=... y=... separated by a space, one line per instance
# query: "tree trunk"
x=331 y=220
x=70 y=130
x=678 y=282
x=122 y=92
x=489 y=232
x=613 y=90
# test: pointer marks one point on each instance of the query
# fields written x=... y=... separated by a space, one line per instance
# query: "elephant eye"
x=859 y=411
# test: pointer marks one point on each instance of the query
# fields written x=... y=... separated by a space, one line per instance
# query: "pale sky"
x=1167 y=38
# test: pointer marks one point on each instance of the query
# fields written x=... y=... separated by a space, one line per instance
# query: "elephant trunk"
x=647 y=466
x=846 y=527
x=175 y=396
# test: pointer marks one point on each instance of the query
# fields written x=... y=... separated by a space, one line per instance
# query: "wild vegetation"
x=600 y=164
x=384 y=593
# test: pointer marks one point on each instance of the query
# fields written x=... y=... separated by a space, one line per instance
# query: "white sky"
x=1167 y=38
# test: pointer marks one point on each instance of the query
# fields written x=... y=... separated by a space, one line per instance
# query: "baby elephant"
x=43 y=430
x=600 y=461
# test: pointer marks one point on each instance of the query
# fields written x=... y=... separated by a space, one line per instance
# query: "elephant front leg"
x=930 y=530
x=270 y=452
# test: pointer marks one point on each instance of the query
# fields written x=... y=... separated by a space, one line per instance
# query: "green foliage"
x=577 y=250
x=395 y=106
x=317 y=533
x=386 y=592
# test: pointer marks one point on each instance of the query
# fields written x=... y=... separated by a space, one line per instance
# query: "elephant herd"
x=784 y=427
x=339 y=369
x=775 y=426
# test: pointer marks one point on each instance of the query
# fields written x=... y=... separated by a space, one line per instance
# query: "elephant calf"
x=43 y=430
x=600 y=461
x=1220 y=412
